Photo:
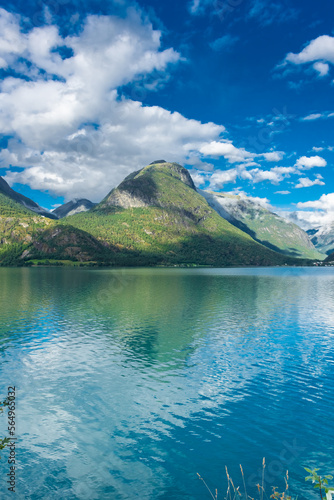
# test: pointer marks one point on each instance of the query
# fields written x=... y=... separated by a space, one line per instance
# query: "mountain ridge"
x=154 y=217
x=262 y=225
x=6 y=190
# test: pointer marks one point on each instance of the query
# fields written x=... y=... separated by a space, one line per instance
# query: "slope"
x=262 y=225
x=6 y=190
x=323 y=238
x=156 y=216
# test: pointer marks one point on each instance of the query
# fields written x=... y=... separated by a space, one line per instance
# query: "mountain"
x=18 y=227
x=6 y=190
x=150 y=187
x=263 y=225
x=323 y=238
x=73 y=207
x=156 y=216
x=330 y=258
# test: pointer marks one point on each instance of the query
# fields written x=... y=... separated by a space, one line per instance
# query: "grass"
x=234 y=493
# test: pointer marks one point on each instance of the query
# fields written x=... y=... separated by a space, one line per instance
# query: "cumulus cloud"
x=227 y=150
x=274 y=155
x=71 y=131
x=256 y=175
x=274 y=175
x=321 y=67
x=306 y=182
x=308 y=162
x=221 y=177
x=319 y=51
x=313 y=214
x=325 y=203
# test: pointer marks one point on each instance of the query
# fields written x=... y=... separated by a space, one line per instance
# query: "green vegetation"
x=233 y=492
x=18 y=227
x=164 y=221
x=154 y=217
x=320 y=482
x=264 y=226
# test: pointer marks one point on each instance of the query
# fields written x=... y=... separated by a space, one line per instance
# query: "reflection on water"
x=131 y=381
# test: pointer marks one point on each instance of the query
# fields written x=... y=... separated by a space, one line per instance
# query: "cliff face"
x=148 y=187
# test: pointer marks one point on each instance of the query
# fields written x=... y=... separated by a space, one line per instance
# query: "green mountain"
x=26 y=237
x=156 y=216
x=262 y=225
x=7 y=191
x=18 y=227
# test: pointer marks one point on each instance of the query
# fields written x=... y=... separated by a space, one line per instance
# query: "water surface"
x=129 y=382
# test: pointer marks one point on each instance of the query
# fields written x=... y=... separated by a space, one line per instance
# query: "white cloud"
x=274 y=175
x=306 y=163
x=226 y=150
x=319 y=51
x=286 y=171
x=321 y=68
x=317 y=116
x=312 y=116
x=274 y=155
x=306 y=182
x=325 y=203
x=221 y=177
x=306 y=219
x=317 y=149
x=322 y=48
x=282 y=192
x=257 y=175
x=73 y=135
x=313 y=214
x=263 y=202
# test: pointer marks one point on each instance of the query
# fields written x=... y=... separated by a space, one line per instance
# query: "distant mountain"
x=323 y=238
x=330 y=258
x=156 y=216
x=6 y=190
x=263 y=225
x=73 y=207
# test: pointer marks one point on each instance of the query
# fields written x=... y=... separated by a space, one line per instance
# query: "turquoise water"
x=129 y=382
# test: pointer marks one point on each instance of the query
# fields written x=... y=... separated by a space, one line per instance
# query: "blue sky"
x=238 y=91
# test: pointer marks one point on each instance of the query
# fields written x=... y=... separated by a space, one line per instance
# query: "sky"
x=240 y=92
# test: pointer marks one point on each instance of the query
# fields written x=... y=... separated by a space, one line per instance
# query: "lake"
x=129 y=382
